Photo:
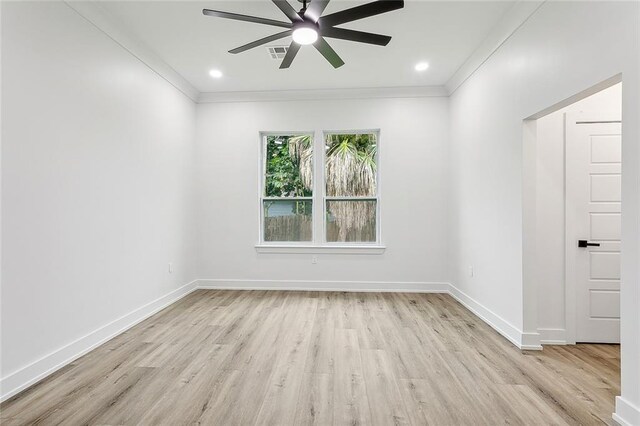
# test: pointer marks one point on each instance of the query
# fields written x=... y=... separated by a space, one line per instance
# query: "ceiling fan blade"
x=360 y=12
x=328 y=52
x=288 y=10
x=359 y=36
x=315 y=9
x=262 y=41
x=246 y=18
x=291 y=54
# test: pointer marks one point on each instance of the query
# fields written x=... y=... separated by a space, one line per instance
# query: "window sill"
x=335 y=249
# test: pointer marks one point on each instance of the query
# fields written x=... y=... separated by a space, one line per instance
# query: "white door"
x=593 y=160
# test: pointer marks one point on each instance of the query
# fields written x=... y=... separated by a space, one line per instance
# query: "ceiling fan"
x=308 y=26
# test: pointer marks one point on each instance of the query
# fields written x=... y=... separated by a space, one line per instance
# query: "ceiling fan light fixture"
x=305 y=33
x=310 y=26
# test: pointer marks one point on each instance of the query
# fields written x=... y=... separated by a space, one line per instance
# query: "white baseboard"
x=553 y=336
x=524 y=341
x=303 y=285
x=530 y=341
x=38 y=370
x=626 y=413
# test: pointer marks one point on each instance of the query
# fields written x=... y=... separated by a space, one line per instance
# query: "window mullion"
x=318 y=188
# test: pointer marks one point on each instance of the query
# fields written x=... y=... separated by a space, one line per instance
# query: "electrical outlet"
x=314 y=259
x=471 y=271
x=170 y=267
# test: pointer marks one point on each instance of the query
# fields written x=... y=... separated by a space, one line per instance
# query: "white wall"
x=414 y=188
x=97 y=187
x=563 y=49
x=550 y=199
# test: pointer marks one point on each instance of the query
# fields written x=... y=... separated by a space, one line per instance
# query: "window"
x=287 y=201
x=343 y=212
x=351 y=193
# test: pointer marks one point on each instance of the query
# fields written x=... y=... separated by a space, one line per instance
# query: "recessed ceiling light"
x=421 y=66
x=215 y=73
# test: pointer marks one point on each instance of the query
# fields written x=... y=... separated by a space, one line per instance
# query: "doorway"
x=577 y=189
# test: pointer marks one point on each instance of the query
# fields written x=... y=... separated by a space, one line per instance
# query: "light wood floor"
x=290 y=358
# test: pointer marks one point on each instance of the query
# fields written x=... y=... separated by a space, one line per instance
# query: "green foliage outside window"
x=285 y=166
x=289 y=171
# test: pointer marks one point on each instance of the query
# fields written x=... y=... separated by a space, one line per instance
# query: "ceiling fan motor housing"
x=306 y=24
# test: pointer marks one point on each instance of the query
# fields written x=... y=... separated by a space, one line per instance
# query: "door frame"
x=571 y=235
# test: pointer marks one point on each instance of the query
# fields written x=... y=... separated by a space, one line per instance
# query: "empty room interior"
x=345 y=212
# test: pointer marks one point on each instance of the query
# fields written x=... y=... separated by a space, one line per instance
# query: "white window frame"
x=319 y=243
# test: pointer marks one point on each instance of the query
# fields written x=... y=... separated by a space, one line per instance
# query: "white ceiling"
x=444 y=34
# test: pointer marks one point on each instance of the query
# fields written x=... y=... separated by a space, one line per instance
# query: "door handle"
x=585 y=243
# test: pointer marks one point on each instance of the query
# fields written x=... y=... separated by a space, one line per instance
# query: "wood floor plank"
x=286 y=380
x=321 y=354
x=191 y=391
x=406 y=363
x=437 y=403
x=533 y=407
x=387 y=408
x=315 y=402
x=350 y=403
x=369 y=334
x=220 y=357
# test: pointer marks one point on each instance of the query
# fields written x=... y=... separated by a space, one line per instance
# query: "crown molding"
x=324 y=94
x=509 y=24
x=512 y=20
x=109 y=25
